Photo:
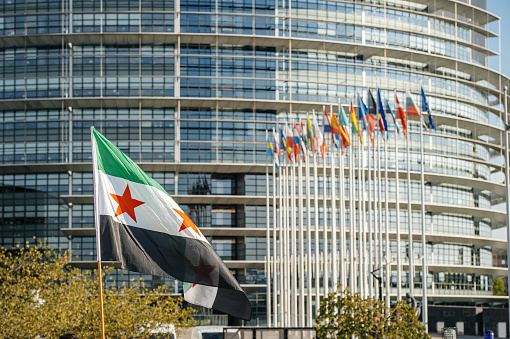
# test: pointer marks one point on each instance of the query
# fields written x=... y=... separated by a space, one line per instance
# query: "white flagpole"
x=268 y=247
x=325 y=211
x=287 y=248
x=379 y=225
x=410 y=252
x=423 y=240
x=301 y=247
x=387 y=261
x=97 y=222
x=282 y=240
x=309 y=244
x=369 y=214
x=361 y=202
x=352 y=230
x=293 y=276
x=364 y=208
x=342 y=228
x=377 y=211
x=275 y=285
x=316 y=215
x=334 y=278
x=397 y=211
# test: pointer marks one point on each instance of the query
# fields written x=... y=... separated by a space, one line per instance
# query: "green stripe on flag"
x=111 y=161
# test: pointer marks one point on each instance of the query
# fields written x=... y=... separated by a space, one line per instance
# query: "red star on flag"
x=203 y=272
x=186 y=222
x=126 y=203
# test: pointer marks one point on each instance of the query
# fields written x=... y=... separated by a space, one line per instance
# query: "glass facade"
x=188 y=88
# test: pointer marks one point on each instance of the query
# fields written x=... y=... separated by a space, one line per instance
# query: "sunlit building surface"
x=187 y=88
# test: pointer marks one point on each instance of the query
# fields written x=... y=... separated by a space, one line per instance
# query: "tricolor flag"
x=277 y=150
x=393 y=117
x=412 y=109
x=311 y=137
x=354 y=122
x=297 y=142
x=401 y=114
x=139 y=225
x=332 y=126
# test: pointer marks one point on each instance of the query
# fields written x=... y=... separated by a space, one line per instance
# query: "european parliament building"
x=187 y=89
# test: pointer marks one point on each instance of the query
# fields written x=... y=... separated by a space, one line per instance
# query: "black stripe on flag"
x=185 y=259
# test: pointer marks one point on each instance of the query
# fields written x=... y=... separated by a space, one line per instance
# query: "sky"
x=502 y=9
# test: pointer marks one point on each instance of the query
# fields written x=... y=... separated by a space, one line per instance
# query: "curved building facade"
x=188 y=88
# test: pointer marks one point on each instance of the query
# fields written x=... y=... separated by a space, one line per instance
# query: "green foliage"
x=343 y=315
x=498 y=287
x=41 y=296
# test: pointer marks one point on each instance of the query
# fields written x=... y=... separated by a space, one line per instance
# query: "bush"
x=41 y=296
x=343 y=315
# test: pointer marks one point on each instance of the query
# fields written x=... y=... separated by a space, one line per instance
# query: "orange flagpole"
x=101 y=297
x=96 y=221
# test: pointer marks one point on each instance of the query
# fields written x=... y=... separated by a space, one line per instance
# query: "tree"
x=498 y=287
x=40 y=295
x=343 y=315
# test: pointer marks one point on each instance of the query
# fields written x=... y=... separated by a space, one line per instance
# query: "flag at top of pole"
x=139 y=225
x=354 y=122
x=382 y=113
x=425 y=107
x=401 y=114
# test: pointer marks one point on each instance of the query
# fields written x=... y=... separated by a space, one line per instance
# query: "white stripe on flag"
x=156 y=214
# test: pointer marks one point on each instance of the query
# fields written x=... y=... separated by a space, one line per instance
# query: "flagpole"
x=341 y=226
x=325 y=278
x=96 y=221
x=377 y=210
x=364 y=208
x=397 y=207
x=334 y=277
x=268 y=247
x=410 y=252
x=352 y=234
x=309 y=245
x=282 y=240
x=301 y=247
x=369 y=214
x=293 y=261
x=275 y=287
x=316 y=215
x=507 y=176
x=387 y=225
x=287 y=246
x=423 y=240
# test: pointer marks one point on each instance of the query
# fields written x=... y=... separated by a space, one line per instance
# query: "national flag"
x=392 y=116
x=342 y=117
x=269 y=146
x=290 y=137
x=354 y=122
x=380 y=109
x=283 y=142
x=311 y=136
x=372 y=109
x=401 y=114
x=276 y=150
x=425 y=107
x=345 y=137
x=319 y=138
x=333 y=128
x=297 y=142
x=139 y=225
x=303 y=133
x=371 y=127
x=412 y=109
x=362 y=112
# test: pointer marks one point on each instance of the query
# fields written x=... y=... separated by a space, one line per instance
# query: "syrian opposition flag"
x=140 y=225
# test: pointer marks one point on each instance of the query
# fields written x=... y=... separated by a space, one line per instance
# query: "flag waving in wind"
x=401 y=114
x=425 y=107
x=139 y=225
